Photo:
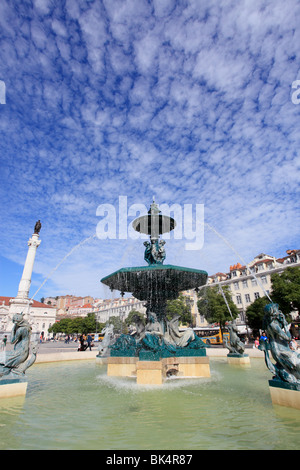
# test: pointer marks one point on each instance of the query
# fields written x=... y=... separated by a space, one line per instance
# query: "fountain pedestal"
x=238 y=359
x=149 y=373
x=155 y=372
x=13 y=388
x=187 y=366
x=121 y=366
x=284 y=394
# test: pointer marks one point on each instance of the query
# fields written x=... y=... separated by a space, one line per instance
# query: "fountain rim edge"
x=153 y=268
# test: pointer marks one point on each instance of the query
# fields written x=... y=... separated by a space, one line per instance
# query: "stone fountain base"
x=154 y=371
x=238 y=359
x=121 y=366
x=13 y=387
x=284 y=394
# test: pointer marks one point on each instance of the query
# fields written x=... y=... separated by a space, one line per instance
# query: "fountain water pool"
x=88 y=410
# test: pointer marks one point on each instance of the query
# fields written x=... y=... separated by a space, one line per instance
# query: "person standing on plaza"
x=4 y=341
x=293 y=344
x=89 y=341
x=263 y=337
x=81 y=340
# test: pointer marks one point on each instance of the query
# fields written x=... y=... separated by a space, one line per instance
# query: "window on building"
x=264 y=279
x=238 y=299
x=247 y=298
x=260 y=267
x=254 y=282
x=256 y=295
x=245 y=283
x=236 y=285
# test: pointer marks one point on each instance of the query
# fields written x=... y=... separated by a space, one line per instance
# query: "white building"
x=120 y=307
x=80 y=311
x=247 y=283
x=40 y=317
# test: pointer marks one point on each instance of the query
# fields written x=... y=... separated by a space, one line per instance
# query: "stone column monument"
x=21 y=302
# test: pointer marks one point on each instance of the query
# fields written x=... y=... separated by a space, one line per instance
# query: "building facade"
x=248 y=283
x=40 y=317
x=119 y=307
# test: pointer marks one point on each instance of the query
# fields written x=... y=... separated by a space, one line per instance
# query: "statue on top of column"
x=37 y=227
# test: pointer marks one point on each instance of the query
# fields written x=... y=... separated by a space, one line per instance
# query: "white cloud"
x=188 y=102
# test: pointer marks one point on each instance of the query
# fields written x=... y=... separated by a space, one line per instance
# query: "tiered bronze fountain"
x=158 y=349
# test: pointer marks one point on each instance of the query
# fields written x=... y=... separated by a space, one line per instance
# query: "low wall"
x=65 y=356
x=222 y=352
x=84 y=355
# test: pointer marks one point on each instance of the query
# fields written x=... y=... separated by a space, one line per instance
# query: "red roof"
x=237 y=266
x=263 y=261
x=35 y=302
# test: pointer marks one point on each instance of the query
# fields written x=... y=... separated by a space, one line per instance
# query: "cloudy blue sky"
x=189 y=101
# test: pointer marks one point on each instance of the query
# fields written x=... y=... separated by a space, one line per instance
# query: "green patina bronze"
x=14 y=363
x=286 y=370
x=156 y=284
x=235 y=345
x=168 y=280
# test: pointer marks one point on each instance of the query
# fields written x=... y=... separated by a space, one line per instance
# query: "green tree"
x=180 y=307
x=134 y=313
x=63 y=326
x=89 y=323
x=119 y=325
x=77 y=325
x=212 y=306
x=255 y=313
x=286 y=289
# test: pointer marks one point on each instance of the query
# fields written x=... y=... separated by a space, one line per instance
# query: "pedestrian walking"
x=89 y=341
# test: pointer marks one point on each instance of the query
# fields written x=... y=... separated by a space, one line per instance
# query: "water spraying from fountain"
x=225 y=300
x=239 y=256
x=61 y=262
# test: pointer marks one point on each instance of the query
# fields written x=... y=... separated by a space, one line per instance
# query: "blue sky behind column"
x=189 y=101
